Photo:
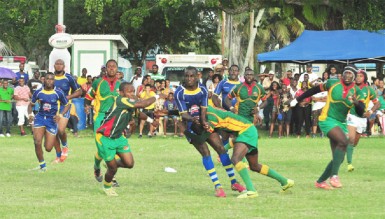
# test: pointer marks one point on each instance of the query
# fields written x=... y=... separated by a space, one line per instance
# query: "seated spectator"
x=172 y=112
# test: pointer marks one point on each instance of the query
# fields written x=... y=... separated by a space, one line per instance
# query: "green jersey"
x=382 y=103
x=369 y=95
x=117 y=119
x=157 y=76
x=103 y=92
x=226 y=120
x=339 y=100
x=247 y=97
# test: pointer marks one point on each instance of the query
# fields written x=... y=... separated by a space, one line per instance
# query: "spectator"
x=216 y=79
x=319 y=102
x=21 y=74
x=146 y=79
x=267 y=81
x=380 y=88
x=86 y=86
x=73 y=120
x=286 y=77
x=312 y=76
x=22 y=95
x=285 y=114
x=6 y=94
x=325 y=76
x=149 y=110
x=200 y=79
x=333 y=72
x=137 y=78
x=155 y=75
x=83 y=78
x=274 y=93
x=120 y=76
x=303 y=111
x=172 y=112
x=35 y=84
x=209 y=80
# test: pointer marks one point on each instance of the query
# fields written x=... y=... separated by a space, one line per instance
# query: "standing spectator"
x=21 y=74
x=268 y=80
x=149 y=110
x=22 y=95
x=146 y=80
x=35 y=84
x=120 y=76
x=86 y=86
x=274 y=93
x=296 y=76
x=285 y=111
x=325 y=76
x=209 y=80
x=103 y=71
x=286 y=77
x=380 y=88
x=136 y=79
x=200 y=79
x=312 y=76
x=73 y=120
x=319 y=102
x=333 y=72
x=375 y=83
x=303 y=111
x=83 y=78
x=155 y=75
x=216 y=79
x=6 y=94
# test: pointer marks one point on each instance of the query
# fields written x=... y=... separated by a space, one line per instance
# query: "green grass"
x=69 y=190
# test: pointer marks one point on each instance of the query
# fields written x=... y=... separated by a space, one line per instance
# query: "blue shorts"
x=67 y=114
x=45 y=121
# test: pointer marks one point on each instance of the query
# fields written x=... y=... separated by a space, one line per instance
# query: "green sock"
x=244 y=173
x=266 y=170
x=227 y=146
x=107 y=185
x=97 y=161
x=349 y=153
x=327 y=172
x=244 y=160
x=338 y=157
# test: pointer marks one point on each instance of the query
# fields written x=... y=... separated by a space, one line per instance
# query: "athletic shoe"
x=64 y=154
x=2 y=135
x=23 y=134
x=110 y=192
x=335 y=181
x=115 y=182
x=323 y=185
x=39 y=169
x=289 y=184
x=57 y=160
x=8 y=135
x=98 y=175
x=248 y=194
x=140 y=136
x=238 y=187
x=220 y=193
x=350 y=168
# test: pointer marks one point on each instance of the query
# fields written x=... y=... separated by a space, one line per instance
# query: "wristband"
x=231 y=107
x=156 y=97
x=149 y=120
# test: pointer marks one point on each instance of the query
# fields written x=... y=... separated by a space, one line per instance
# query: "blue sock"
x=209 y=166
x=58 y=154
x=42 y=164
x=226 y=162
x=225 y=141
x=64 y=144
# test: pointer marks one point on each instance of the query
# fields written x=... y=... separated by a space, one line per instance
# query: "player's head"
x=126 y=90
x=349 y=74
x=59 y=66
x=362 y=77
x=112 y=68
x=49 y=81
x=190 y=77
x=234 y=72
x=249 y=76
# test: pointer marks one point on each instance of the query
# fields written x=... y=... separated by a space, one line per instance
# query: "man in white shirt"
x=312 y=76
x=137 y=78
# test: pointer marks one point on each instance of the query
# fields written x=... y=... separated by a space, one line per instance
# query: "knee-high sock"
x=209 y=166
x=244 y=173
x=327 y=173
x=226 y=162
x=267 y=171
x=229 y=145
x=349 y=153
x=97 y=161
x=338 y=157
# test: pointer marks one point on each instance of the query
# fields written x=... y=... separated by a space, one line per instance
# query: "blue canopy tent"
x=336 y=46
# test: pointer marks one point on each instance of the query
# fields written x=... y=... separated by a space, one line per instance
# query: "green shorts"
x=98 y=121
x=331 y=123
x=249 y=137
x=108 y=147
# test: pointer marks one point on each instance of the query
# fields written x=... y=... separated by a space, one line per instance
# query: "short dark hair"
x=111 y=60
x=191 y=68
x=124 y=85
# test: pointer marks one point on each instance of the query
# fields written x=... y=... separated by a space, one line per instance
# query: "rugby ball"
x=61 y=40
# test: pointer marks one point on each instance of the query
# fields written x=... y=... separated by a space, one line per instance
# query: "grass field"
x=69 y=190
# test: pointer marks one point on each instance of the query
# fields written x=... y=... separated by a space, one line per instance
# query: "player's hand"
x=367 y=114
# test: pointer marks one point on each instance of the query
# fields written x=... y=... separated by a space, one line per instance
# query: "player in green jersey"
x=102 y=92
x=109 y=136
x=356 y=124
x=343 y=95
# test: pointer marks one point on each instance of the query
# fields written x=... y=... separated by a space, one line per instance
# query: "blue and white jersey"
x=188 y=101
x=66 y=83
x=50 y=101
x=223 y=88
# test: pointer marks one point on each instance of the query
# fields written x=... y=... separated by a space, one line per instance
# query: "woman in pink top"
x=303 y=111
x=22 y=96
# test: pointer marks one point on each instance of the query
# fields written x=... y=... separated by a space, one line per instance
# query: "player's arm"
x=147 y=102
x=308 y=93
x=217 y=92
x=77 y=91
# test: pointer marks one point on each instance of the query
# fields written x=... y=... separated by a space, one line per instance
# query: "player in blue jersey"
x=225 y=86
x=45 y=121
x=192 y=99
x=71 y=89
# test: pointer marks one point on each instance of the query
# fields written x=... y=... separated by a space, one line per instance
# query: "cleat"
x=238 y=187
x=289 y=184
x=8 y=135
x=220 y=193
x=39 y=169
x=64 y=154
x=57 y=160
x=110 y=192
x=323 y=185
x=115 y=183
x=140 y=136
x=335 y=181
x=350 y=168
x=248 y=194
x=98 y=175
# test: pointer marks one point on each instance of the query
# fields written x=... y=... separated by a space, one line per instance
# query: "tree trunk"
x=253 y=33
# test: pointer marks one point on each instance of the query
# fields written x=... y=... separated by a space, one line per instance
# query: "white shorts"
x=358 y=122
x=22 y=112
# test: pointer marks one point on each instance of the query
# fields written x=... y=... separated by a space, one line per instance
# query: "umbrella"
x=7 y=73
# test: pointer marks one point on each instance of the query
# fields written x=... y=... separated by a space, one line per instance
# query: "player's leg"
x=239 y=152
x=62 y=125
x=215 y=143
x=112 y=168
x=38 y=134
x=126 y=160
x=352 y=129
